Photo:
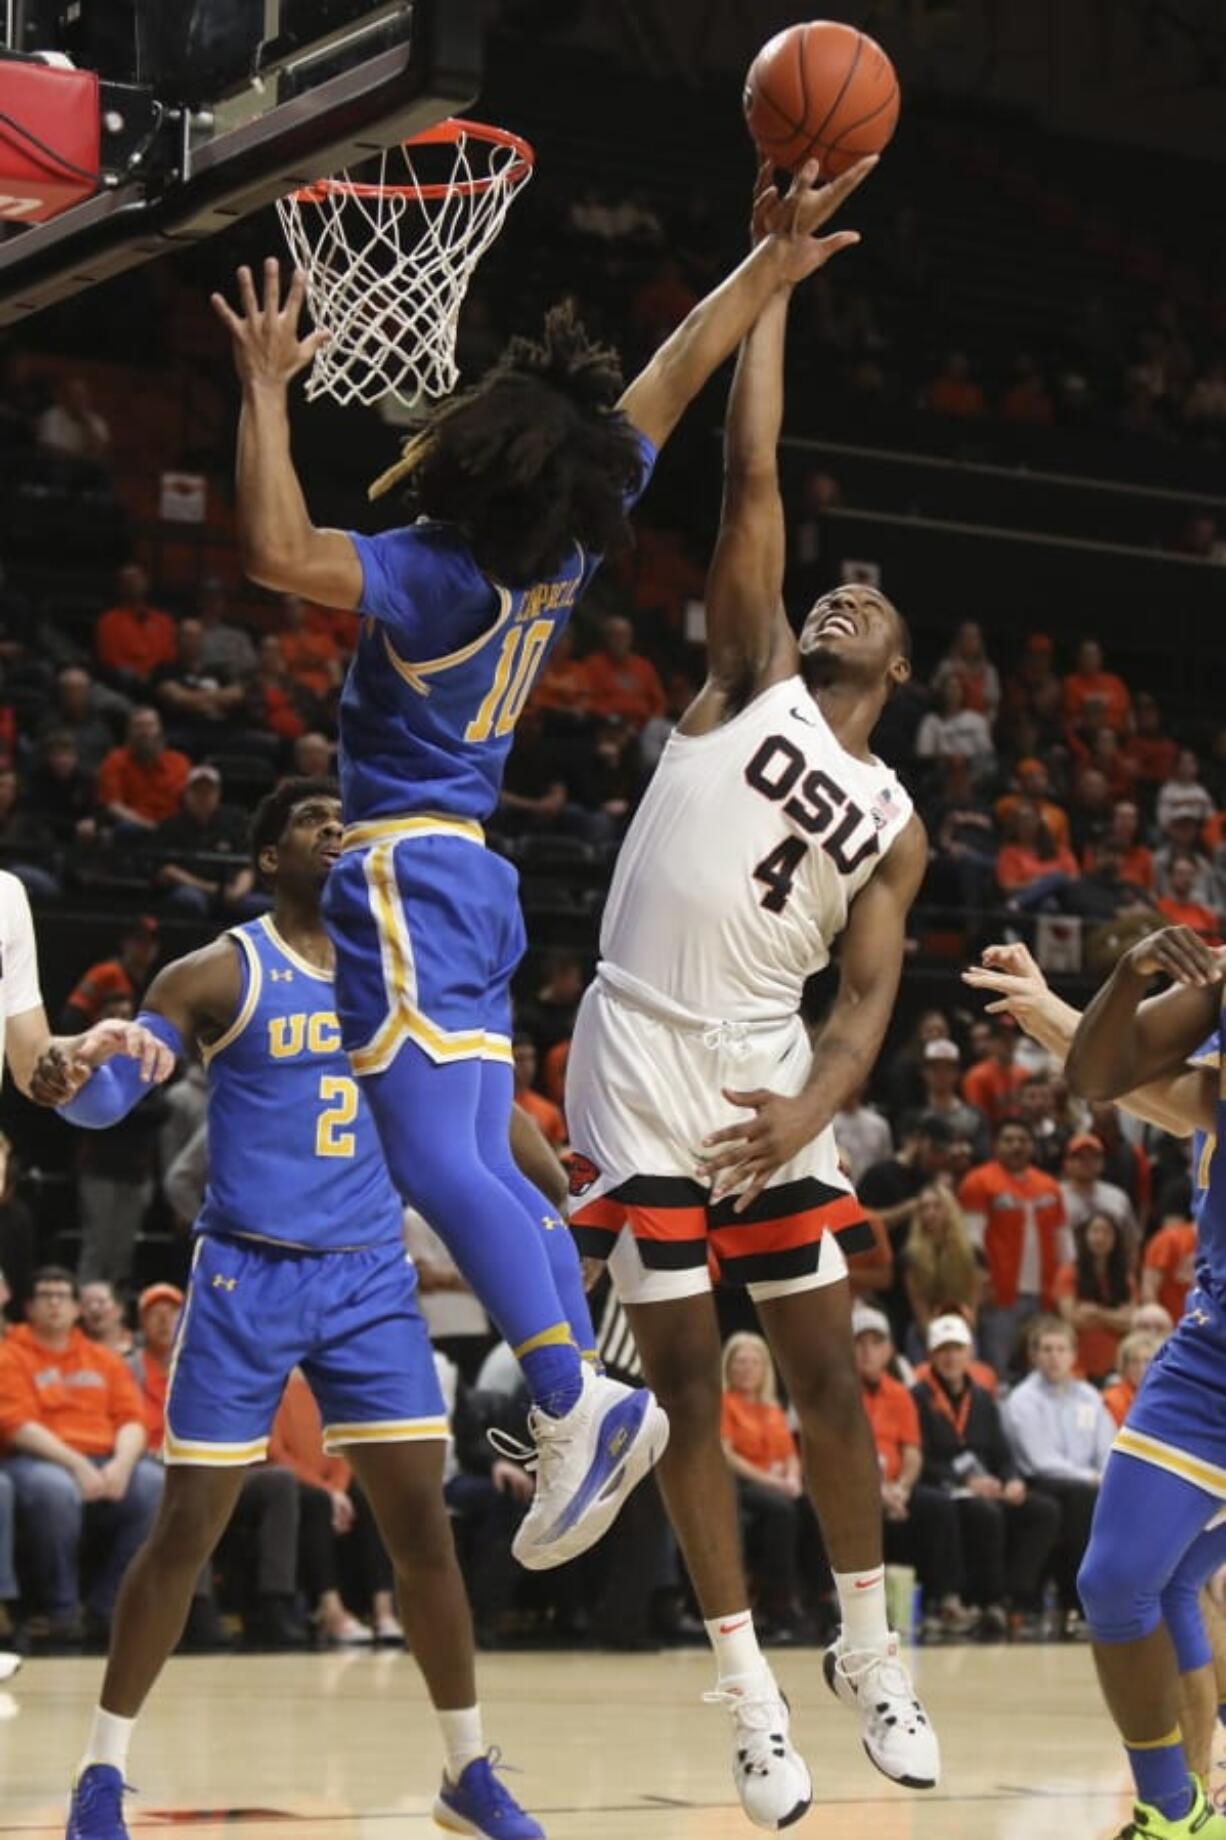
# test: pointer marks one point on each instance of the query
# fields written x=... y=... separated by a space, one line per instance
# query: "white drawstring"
x=731 y=1037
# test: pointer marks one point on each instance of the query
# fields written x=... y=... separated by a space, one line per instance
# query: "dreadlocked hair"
x=531 y=459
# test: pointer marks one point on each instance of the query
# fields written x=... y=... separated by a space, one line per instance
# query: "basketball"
x=821 y=91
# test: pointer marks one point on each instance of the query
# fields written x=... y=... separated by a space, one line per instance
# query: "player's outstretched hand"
x=793 y=219
x=64 y=1066
x=268 y=350
x=745 y=1156
x=1180 y=954
x=1011 y=973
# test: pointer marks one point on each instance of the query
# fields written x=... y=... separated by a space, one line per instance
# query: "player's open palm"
x=1011 y=974
x=269 y=348
x=795 y=218
x=745 y=1156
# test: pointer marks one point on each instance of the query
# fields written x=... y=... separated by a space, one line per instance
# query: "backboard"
x=214 y=108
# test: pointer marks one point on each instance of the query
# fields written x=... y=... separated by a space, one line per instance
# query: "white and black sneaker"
x=894 y=1727
x=771 y=1777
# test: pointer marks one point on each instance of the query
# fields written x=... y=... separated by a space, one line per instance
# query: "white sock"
x=109 y=1738
x=862 y=1603
x=463 y=1740
x=735 y=1642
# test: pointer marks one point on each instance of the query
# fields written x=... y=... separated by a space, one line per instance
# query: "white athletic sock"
x=735 y=1642
x=463 y=1740
x=109 y=1738
x=862 y=1602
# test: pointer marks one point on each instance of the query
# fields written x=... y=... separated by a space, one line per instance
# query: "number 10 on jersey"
x=518 y=663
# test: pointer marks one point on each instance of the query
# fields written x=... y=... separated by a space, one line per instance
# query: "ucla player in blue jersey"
x=519 y=485
x=299 y=1261
x=1158 y=1530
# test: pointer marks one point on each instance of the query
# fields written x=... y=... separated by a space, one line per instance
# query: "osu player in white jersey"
x=768 y=830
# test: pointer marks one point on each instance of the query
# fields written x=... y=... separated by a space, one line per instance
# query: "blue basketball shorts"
x=255 y=1311
x=428 y=933
x=1178 y=1419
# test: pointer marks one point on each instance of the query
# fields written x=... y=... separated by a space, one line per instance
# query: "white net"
x=388 y=261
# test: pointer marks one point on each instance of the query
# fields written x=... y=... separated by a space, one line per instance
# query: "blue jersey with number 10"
x=294 y=1156
x=444 y=666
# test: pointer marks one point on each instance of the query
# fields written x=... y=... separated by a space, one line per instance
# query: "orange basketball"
x=821 y=91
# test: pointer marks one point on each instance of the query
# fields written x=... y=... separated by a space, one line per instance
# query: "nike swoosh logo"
x=802 y=717
x=726 y=1629
x=866 y=1584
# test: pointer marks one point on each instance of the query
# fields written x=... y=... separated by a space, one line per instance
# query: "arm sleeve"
x=19 y=968
x=116 y=1088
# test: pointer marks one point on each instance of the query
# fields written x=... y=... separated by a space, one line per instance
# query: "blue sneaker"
x=96 y=1809
x=587 y=1463
x=479 y=1804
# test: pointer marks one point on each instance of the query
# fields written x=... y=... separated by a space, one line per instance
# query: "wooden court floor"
x=610 y=1748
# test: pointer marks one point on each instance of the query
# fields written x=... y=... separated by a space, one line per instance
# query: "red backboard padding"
x=49 y=140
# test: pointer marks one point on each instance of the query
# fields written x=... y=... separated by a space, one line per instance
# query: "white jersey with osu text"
x=740 y=868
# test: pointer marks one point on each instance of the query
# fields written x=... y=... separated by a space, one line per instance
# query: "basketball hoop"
x=388 y=261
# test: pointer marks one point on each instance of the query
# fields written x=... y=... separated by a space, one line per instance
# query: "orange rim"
x=453 y=129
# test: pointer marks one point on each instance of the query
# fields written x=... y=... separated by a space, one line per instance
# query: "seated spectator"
x=61 y=792
x=132 y=638
x=954 y=392
x=1030 y=870
x=1086 y=1192
x=1126 y=1163
x=1015 y=1219
x=939 y=1268
x=1133 y=861
x=621 y=682
x=1100 y=747
x=1178 y=905
x=547 y=1115
x=563 y=688
x=953 y=730
x=203 y=828
x=140 y=783
x=1061 y=1435
x=227 y=648
x=1096 y=1294
x=314 y=757
x=1168 y=1270
x=72 y=426
x=891 y=1190
x=1034 y=692
x=921 y=1527
x=607 y=779
x=1183 y=796
x=1181 y=837
x=535 y=797
x=201 y=700
x=1036 y=1106
x=1027 y=400
x=1090 y=810
x=125 y=975
x=74 y=1436
x=942 y=1072
x=273 y=703
x=967 y=660
x=1153 y=754
x=159 y=1308
x=27 y=846
x=312 y=656
x=904 y=1080
x=992 y=1084
x=1136 y=1351
x=1006 y=1533
x=960 y=824
x=1089 y=684
x=83 y=708
x=1033 y=787
x=18 y=1239
x=862 y=1134
x=103 y=1318
x=332 y=1511
x=761 y=1453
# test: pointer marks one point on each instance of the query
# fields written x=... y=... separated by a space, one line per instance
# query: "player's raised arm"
x=1122 y=1041
x=870 y=966
x=281 y=547
x=660 y=395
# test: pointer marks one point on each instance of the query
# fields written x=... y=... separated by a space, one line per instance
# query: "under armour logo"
x=549 y=1222
x=224 y=1284
x=1199 y=1316
x=281 y=977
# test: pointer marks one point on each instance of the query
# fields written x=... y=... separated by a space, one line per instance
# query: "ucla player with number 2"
x=519 y=485
x=769 y=829
x=299 y=1261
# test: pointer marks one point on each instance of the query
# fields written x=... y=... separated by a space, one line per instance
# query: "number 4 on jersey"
x=778 y=871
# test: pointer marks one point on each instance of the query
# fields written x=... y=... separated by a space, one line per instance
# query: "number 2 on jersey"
x=340 y=1098
x=514 y=677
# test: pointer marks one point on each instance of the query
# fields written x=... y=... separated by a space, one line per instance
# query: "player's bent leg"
x=150 y=1615
x=1146 y=1521
x=1184 y=1613
x=808 y=1324
x=404 y=1484
x=678 y=1342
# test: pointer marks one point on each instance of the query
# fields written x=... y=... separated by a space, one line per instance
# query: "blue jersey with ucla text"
x=443 y=668
x=1209 y=1180
x=294 y=1156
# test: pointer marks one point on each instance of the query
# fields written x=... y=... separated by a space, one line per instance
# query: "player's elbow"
x=269 y=566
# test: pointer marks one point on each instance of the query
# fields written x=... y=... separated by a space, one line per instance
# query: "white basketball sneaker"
x=894 y=1727
x=586 y=1463
x=771 y=1777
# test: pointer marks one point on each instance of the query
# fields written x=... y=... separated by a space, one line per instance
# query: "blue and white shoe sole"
x=453 y=1822
x=597 y=1502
